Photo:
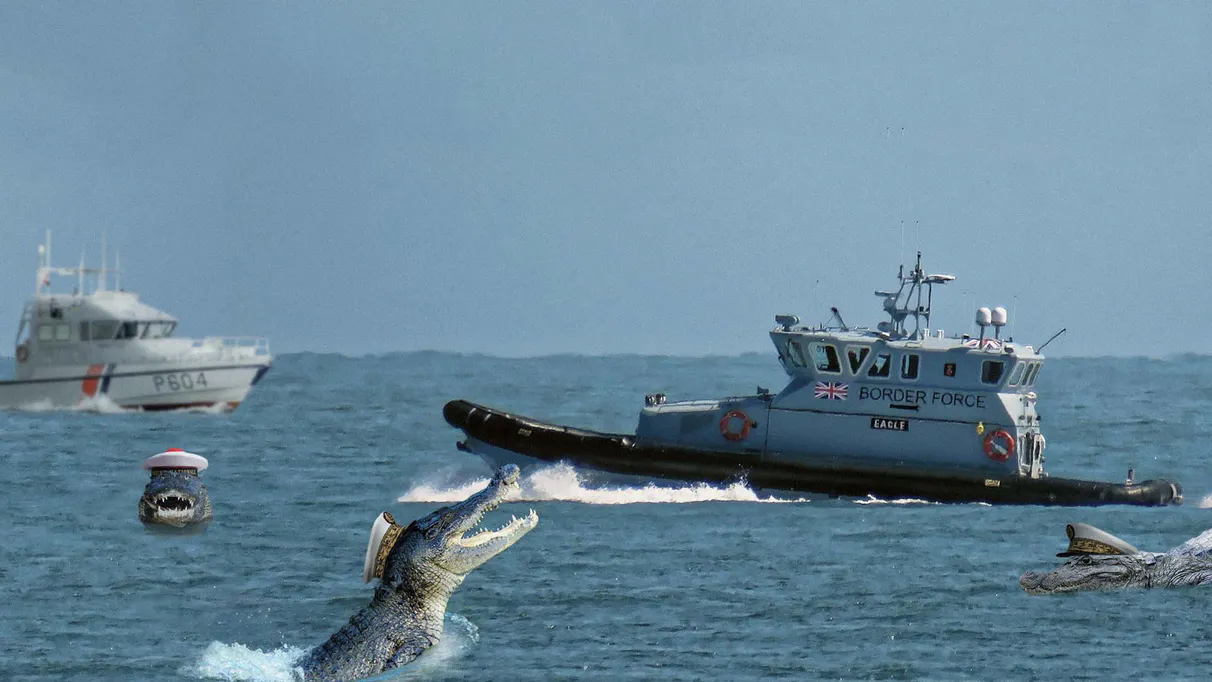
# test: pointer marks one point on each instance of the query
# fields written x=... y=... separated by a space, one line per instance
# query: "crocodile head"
x=1091 y=572
x=442 y=548
x=174 y=497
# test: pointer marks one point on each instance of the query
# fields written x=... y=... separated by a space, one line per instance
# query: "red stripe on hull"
x=89 y=386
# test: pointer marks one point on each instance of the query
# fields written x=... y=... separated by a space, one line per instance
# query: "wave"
x=562 y=483
x=239 y=663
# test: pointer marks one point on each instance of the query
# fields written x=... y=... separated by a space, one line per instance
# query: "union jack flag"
x=831 y=391
x=984 y=344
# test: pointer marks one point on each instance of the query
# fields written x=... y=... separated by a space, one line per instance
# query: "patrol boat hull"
x=147 y=387
x=500 y=436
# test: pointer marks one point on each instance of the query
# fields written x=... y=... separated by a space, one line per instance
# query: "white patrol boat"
x=108 y=347
x=895 y=411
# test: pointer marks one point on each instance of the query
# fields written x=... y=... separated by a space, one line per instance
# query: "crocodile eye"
x=1085 y=560
x=431 y=533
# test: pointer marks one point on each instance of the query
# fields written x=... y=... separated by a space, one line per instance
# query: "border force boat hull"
x=495 y=434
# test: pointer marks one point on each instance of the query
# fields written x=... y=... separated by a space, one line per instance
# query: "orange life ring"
x=726 y=425
x=22 y=353
x=999 y=445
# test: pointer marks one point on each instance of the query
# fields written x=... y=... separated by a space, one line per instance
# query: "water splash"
x=871 y=499
x=562 y=483
x=1205 y=502
x=239 y=663
x=236 y=662
x=100 y=404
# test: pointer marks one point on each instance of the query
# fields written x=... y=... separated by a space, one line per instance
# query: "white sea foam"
x=562 y=483
x=100 y=404
x=239 y=663
x=236 y=662
x=871 y=499
x=1205 y=502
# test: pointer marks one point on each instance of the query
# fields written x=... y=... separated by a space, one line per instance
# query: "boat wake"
x=871 y=499
x=100 y=404
x=238 y=663
x=562 y=483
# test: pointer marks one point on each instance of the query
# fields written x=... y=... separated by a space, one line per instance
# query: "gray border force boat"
x=895 y=411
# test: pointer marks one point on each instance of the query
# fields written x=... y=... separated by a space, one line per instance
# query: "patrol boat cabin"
x=900 y=396
x=107 y=345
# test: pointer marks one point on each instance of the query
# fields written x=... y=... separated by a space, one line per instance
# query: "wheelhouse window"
x=1029 y=379
x=54 y=332
x=1017 y=374
x=881 y=365
x=855 y=355
x=825 y=357
x=103 y=330
x=796 y=354
x=158 y=330
x=128 y=330
x=909 y=365
x=991 y=371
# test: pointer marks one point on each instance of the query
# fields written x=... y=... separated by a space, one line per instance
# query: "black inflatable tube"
x=620 y=454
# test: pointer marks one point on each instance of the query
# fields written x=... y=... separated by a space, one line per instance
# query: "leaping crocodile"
x=1101 y=561
x=419 y=567
x=175 y=495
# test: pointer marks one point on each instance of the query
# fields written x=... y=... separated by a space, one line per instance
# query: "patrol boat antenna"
x=907 y=302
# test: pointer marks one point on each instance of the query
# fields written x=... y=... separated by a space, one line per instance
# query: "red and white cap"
x=176 y=458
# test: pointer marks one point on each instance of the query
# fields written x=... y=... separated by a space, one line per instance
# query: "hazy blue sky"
x=529 y=178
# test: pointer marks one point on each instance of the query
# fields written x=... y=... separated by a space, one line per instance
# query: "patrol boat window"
x=157 y=330
x=856 y=355
x=103 y=330
x=796 y=354
x=880 y=365
x=1017 y=374
x=1029 y=380
x=991 y=371
x=909 y=365
x=54 y=332
x=128 y=330
x=826 y=358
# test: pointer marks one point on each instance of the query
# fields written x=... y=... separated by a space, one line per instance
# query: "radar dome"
x=983 y=316
x=999 y=317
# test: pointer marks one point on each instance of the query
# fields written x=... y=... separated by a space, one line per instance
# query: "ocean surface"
x=630 y=583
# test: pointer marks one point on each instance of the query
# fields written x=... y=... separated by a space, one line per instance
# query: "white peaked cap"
x=1086 y=539
x=383 y=536
x=176 y=458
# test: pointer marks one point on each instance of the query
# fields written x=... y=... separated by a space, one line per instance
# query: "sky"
x=530 y=178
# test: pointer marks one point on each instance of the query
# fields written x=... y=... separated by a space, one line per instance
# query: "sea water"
x=626 y=583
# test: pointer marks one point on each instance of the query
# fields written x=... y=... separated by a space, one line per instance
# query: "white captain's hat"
x=1086 y=539
x=176 y=458
x=383 y=537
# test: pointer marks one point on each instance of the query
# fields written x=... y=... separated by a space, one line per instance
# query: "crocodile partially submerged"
x=419 y=567
x=1100 y=561
x=175 y=495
